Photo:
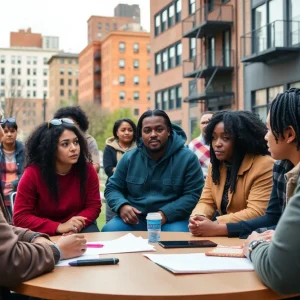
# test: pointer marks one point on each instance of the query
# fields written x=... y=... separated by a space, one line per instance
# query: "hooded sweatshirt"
x=172 y=184
x=112 y=154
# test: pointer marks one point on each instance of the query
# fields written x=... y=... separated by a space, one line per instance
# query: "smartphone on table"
x=188 y=244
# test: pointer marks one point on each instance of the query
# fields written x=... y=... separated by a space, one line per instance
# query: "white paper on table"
x=65 y=262
x=200 y=263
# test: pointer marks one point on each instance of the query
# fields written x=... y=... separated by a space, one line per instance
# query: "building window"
x=45 y=83
x=2 y=93
x=45 y=60
x=192 y=6
x=157 y=63
x=34 y=60
x=294 y=8
x=148 y=96
x=45 y=72
x=178 y=54
x=2 y=82
x=172 y=57
x=122 y=79
x=69 y=93
x=19 y=82
x=61 y=71
x=2 y=71
x=171 y=15
x=148 y=80
x=28 y=94
x=157 y=24
x=122 y=95
x=99 y=25
x=148 y=48
x=19 y=94
x=136 y=64
x=107 y=26
x=193 y=90
x=136 y=80
x=99 y=35
x=2 y=59
x=70 y=82
x=136 y=111
x=168 y=99
x=19 y=60
x=12 y=82
x=34 y=82
x=28 y=71
x=121 y=63
x=115 y=26
x=19 y=71
x=165 y=65
x=76 y=82
x=192 y=50
x=148 y=64
x=164 y=17
x=178 y=10
x=13 y=71
x=28 y=82
x=136 y=48
x=295 y=85
x=70 y=71
x=28 y=58
x=62 y=92
x=34 y=94
x=62 y=61
x=13 y=60
x=262 y=99
x=122 y=47
x=62 y=81
x=34 y=72
x=136 y=95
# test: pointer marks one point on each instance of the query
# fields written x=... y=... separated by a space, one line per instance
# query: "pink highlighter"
x=94 y=245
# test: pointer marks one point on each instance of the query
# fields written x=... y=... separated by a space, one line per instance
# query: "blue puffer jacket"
x=172 y=185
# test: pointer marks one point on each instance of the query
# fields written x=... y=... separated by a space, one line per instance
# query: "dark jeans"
x=91 y=228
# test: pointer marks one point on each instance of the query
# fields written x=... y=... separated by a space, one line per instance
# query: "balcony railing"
x=271 y=41
x=208 y=21
x=97 y=84
x=97 y=55
x=205 y=64
x=97 y=69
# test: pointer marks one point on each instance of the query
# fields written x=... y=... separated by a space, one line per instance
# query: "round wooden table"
x=136 y=277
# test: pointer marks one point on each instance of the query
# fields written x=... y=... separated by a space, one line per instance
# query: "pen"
x=94 y=245
x=94 y=262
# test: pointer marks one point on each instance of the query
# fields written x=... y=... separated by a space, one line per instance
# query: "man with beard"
x=160 y=175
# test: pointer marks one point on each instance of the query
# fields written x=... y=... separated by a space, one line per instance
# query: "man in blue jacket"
x=160 y=175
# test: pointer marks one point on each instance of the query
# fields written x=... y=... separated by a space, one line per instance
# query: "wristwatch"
x=253 y=245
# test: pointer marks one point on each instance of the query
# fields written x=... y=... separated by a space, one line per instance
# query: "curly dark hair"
x=150 y=113
x=41 y=149
x=285 y=112
x=118 y=124
x=76 y=113
x=247 y=131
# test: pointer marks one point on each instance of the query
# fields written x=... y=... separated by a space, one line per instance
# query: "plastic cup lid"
x=154 y=216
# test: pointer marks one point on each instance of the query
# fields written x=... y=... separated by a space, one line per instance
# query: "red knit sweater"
x=36 y=209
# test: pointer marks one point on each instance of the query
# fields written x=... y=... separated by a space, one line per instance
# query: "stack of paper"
x=124 y=244
x=200 y=263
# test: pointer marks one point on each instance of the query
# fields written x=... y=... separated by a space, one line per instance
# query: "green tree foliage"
x=196 y=132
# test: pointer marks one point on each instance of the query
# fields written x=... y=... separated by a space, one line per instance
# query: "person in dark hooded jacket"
x=160 y=175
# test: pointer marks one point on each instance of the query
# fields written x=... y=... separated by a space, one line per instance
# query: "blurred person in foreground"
x=25 y=254
x=123 y=140
x=198 y=145
x=80 y=119
x=159 y=175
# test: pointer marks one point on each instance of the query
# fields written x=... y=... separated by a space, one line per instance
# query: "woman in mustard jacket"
x=239 y=180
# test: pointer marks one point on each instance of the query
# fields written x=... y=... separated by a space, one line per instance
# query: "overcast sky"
x=66 y=19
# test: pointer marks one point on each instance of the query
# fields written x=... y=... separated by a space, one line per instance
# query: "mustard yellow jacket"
x=251 y=196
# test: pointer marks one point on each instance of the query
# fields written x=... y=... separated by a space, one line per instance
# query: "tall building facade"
x=116 y=72
x=270 y=50
x=125 y=71
x=23 y=84
x=195 y=50
x=90 y=74
x=99 y=27
x=128 y=11
x=63 y=81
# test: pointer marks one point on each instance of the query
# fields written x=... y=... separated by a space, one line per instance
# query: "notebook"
x=226 y=251
x=200 y=263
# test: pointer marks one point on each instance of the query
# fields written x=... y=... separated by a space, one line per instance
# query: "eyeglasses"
x=9 y=120
x=57 y=122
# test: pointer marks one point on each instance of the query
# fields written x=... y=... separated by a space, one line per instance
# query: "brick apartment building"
x=63 y=81
x=270 y=50
x=116 y=72
x=99 y=27
x=195 y=55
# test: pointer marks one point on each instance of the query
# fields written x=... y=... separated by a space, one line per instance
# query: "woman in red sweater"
x=59 y=190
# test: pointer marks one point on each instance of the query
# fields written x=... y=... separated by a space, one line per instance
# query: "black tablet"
x=187 y=244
